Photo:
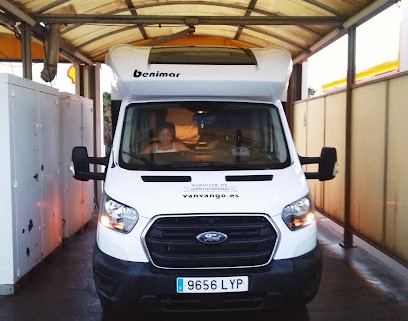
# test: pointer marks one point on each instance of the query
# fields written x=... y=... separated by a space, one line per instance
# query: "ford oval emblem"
x=212 y=237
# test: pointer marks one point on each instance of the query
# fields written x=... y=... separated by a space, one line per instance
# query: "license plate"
x=212 y=285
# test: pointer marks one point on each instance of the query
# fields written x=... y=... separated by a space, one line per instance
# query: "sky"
x=61 y=80
x=377 y=42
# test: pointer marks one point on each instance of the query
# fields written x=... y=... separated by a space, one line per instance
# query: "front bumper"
x=281 y=284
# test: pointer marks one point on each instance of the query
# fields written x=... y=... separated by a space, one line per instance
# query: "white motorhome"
x=219 y=216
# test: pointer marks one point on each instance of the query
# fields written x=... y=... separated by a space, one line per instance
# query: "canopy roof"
x=88 y=28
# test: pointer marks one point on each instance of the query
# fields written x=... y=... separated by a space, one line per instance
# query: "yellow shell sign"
x=71 y=73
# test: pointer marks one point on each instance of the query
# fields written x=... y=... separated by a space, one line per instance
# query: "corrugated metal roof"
x=88 y=28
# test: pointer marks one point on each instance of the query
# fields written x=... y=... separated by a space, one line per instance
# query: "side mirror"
x=80 y=164
x=328 y=167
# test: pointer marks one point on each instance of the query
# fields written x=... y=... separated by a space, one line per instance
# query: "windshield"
x=202 y=136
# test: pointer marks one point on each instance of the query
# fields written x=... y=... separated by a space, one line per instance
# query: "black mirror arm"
x=99 y=160
x=94 y=176
x=312 y=175
x=309 y=160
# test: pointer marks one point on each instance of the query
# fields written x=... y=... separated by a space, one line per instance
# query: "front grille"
x=172 y=241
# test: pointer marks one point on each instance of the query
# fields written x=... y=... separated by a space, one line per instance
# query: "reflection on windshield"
x=202 y=136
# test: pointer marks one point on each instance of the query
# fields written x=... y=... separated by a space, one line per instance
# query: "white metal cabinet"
x=30 y=185
x=76 y=130
x=50 y=172
x=25 y=166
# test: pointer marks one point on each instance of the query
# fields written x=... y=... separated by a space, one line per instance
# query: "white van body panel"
x=206 y=193
x=264 y=82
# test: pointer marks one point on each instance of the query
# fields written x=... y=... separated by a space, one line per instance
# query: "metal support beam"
x=95 y=95
x=174 y=36
x=18 y=13
x=133 y=12
x=184 y=20
x=26 y=56
x=37 y=32
x=351 y=76
x=248 y=13
x=84 y=76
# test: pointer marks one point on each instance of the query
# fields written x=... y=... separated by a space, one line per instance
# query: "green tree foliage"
x=107 y=122
x=311 y=91
x=107 y=116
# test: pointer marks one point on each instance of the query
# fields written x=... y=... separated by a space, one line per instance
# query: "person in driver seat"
x=167 y=141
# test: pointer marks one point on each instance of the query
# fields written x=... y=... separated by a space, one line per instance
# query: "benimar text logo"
x=138 y=74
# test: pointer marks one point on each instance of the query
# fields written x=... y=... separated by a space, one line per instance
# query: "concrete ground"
x=355 y=286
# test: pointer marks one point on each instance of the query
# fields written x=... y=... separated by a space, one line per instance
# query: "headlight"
x=117 y=216
x=299 y=214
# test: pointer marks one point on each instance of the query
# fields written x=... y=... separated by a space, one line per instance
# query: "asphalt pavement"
x=356 y=286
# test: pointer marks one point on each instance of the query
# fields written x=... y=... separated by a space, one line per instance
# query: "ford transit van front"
x=205 y=205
